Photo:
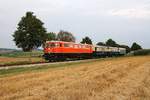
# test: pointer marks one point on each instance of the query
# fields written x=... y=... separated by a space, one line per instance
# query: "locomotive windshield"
x=52 y=45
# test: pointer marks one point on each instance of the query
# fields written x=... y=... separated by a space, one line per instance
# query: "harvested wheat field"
x=126 y=78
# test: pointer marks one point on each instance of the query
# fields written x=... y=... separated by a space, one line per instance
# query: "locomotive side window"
x=57 y=45
x=80 y=46
x=71 y=45
x=75 y=46
x=83 y=46
x=86 y=47
x=66 y=45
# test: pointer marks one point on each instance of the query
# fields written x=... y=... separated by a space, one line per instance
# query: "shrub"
x=142 y=52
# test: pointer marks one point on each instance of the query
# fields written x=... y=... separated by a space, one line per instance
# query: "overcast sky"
x=125 y=21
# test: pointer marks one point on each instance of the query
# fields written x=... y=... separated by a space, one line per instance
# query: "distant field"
x=19 y=57
x=23 y=54
x=125 y=78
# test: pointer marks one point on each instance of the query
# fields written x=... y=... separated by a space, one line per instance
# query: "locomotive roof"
x=108 y=46
x=68 y=42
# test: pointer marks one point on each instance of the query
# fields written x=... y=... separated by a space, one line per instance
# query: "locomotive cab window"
x=52 y=45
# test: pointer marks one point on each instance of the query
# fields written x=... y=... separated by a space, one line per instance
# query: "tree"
x=30 y=32
x=51 y=36
x=86 y=40
x=111 y=42
x=135 y=46
x=101 y=44
x=65 y=36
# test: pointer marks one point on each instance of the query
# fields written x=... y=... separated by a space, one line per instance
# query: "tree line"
x=31 y=34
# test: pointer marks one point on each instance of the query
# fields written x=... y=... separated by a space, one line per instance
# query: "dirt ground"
x=125 y=78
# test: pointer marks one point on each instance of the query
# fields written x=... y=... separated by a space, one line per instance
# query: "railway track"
x=43 y=64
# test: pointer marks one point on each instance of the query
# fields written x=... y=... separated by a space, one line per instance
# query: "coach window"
x=103 y=49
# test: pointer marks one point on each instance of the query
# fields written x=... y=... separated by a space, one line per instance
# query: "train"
x=60 y=50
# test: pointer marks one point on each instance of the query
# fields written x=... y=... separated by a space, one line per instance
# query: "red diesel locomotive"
x=57 y=50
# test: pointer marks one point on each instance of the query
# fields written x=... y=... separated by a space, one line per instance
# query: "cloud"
x=94 y=18
x=138 y=13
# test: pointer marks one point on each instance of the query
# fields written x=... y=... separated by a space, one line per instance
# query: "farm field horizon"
x=117 y=78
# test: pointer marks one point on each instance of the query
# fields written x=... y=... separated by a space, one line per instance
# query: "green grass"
x=142 y=52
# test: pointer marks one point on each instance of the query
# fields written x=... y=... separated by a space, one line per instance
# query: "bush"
x=142 y=52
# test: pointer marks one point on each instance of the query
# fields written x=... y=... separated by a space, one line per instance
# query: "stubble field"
x=124 y=78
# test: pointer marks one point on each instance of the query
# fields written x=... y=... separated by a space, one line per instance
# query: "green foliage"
x=140 y=52
x=101 y=44
x=135 y=46
x=51 y=36
x=30 y=33
x=86 y=40
x=65 y=36
x=111 y=42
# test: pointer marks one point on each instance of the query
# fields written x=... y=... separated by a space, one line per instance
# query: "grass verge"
x=14 y=71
